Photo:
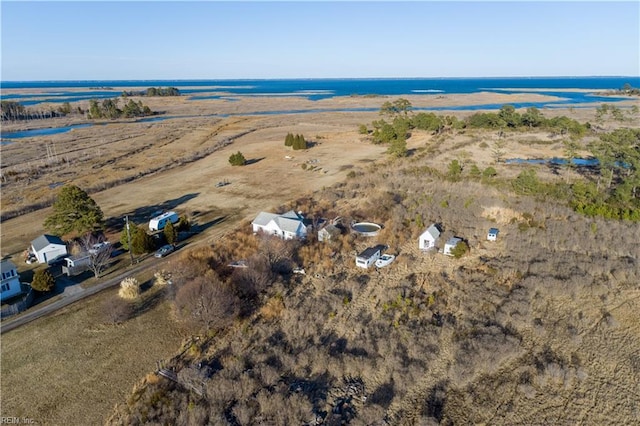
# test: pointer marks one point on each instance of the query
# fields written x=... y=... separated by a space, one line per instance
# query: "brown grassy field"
x=72 y=367
x=516 y=315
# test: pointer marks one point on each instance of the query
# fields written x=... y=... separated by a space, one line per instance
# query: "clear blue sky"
x=211 y=40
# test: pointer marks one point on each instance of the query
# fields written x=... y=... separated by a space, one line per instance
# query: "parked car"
x=99 y=247
x=384 y=260
x=164 y=250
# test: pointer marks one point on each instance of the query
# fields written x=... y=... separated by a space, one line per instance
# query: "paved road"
x=73 y=296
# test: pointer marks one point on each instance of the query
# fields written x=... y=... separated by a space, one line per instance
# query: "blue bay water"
x=316 y=89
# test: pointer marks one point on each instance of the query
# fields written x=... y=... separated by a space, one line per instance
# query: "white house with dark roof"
x=10 y=280
x=429 y=237
x=287 y=226
x=48 y=248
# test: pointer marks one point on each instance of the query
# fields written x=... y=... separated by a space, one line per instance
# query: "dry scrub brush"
x=539 y=327
x=116 y=310
x=129 y=288
x=206 y=303
x=161 y=278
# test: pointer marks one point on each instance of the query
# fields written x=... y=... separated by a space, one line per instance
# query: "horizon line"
x=321 y=78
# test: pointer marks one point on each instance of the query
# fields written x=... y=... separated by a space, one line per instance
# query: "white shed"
x=492 y=235
x=328 y=232
x=450 y=245
x=10 y=280
x=48 y=248
x=429 y=237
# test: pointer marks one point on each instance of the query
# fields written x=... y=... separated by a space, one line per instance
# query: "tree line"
x=154 y=91
x=626 y=89
x=507 y=118
x=109 y=108
x=15 y=111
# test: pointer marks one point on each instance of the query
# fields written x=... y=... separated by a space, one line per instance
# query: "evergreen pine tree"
x=170 y=233
x=288 y=141
x=141 y=242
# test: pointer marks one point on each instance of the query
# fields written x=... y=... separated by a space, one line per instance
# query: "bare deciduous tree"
x=277 y=252
x=206 y=303
x=98 y=250
x=253 y=279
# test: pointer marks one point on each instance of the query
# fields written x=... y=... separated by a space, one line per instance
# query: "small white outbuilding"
x=492 y=235
x=429 y=237
x=48 y=248
x=450 y=245
x=329 y=232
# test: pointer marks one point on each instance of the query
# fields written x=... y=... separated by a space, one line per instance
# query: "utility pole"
x=126 y=218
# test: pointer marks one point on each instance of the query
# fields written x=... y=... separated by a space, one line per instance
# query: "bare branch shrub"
x=277 y=252
x=161 y=278
x=249 y=282
x=273 y=308
x=206 y=303
x=191 y=264
x=240 y=244
x=318 y=254
x=116 y=310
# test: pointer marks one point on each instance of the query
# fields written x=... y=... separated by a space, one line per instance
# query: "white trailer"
x=159 y=222
x=75 y=265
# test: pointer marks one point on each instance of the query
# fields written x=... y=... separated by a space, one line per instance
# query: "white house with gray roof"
x=287 y=226
x=429 y=237
x=48 y=248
